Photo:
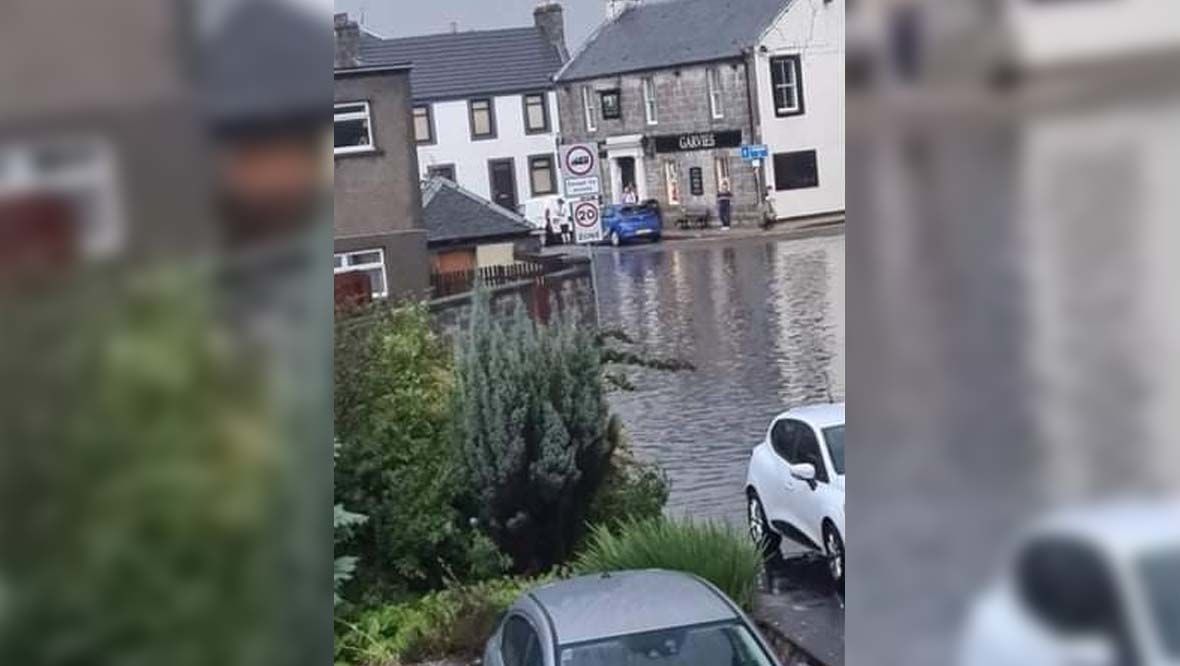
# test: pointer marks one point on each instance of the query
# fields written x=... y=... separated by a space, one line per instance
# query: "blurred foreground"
x=1012 y=257
x=165 y=313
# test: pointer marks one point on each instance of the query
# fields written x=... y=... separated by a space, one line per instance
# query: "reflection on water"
x=762 y=320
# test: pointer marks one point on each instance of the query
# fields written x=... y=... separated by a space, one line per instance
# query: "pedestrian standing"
x=567 y=227
x=629 y=196
x=725 y=204
x=769 y=215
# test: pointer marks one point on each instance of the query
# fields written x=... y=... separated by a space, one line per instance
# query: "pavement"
x=785 y=229
x=797 y=604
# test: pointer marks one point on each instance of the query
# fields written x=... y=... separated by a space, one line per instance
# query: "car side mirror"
x=803 y=472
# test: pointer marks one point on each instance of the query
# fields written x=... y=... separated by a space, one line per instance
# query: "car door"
x=812 y=499
x=781 y=501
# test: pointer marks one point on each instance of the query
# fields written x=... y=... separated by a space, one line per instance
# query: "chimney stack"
x=550 y=18
x=348 y=42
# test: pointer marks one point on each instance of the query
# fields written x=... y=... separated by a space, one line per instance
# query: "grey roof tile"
x=464 y=64
x=453 y=214
x=664 y=34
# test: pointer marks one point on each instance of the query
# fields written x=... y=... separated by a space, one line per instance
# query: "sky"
x=401 y=18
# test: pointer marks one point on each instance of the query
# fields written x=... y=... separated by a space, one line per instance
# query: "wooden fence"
x=461 y=282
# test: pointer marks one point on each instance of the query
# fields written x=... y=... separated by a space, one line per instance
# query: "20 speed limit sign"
x=587 y=222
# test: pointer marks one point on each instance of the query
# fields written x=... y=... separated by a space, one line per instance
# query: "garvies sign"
x=677 y=143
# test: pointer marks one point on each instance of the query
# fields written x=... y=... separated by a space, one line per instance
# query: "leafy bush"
x=532 y=430
x=632 y=490
x=392 y=392
x=714 y=552
x=451 y=623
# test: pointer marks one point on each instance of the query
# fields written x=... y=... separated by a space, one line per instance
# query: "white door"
x=784 y=490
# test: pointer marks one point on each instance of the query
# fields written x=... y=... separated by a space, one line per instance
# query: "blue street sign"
x=751 y=153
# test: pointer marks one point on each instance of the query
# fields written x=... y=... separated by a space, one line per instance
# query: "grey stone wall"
x=683 y=107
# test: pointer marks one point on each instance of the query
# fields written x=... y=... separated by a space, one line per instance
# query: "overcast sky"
x=401 y=18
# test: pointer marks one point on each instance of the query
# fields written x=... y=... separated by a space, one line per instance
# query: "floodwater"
x=762 y=319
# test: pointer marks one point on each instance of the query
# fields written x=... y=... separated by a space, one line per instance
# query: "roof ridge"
x=461 y=33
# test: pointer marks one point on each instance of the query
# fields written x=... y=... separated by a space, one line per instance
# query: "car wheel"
x=760 y=531
x=834 y=550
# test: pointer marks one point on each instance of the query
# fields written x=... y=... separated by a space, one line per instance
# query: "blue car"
x=625 y=223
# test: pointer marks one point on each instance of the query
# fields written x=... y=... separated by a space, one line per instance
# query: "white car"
x=1098 y=586
x=795 y=484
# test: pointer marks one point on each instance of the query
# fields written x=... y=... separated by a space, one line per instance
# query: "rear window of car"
x=1161 y=578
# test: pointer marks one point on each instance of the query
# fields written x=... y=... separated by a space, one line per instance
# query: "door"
x=627 y=176
x=812 y=499
x=502 y=176
x=782 y=504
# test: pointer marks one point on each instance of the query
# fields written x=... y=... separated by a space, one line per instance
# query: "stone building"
x=671 y=91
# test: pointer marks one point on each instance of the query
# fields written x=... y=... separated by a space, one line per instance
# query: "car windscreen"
x=1161 y=579
x=835 y=439
x=707 y=645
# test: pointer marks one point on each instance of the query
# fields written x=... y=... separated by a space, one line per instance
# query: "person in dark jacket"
x=725 y=204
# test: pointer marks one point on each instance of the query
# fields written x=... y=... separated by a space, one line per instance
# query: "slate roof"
x=452 y=214
x=464 y=64
x=655 y=35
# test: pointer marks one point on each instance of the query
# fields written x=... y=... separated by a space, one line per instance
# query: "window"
x=441 y=171
x=716 y=103
x=588 y=107
x=711 y=644
x=483 y=119
x=536 y=114
x=786 y=85
x=1160 y=573
x=649 y=101
x=834 y=436
x=807 y=450
x=795 y=171
x=721 y=168
x=423 y=125
x=542 y=175
x=672 y=180
x=353 y=128
x=520 y=645
x=612 y=108
x=369 y=262
x=782 y=438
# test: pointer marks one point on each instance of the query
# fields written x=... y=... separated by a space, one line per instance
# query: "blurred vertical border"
x=165 y=332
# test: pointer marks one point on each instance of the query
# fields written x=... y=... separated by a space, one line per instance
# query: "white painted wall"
x=454 y=146
x=1049 y=33
x=495 y=254
x=813 y=29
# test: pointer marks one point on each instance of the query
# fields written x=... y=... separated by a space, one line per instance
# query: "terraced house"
x=484 y=108
x=671 y=91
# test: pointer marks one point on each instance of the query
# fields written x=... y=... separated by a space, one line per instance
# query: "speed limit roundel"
x=586 y=214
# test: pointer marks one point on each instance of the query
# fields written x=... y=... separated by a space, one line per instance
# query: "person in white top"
x=629 y=195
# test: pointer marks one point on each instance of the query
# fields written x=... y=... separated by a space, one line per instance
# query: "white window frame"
x=588 y=108
x=792 y=65
x=365 y=115
x=346 y=267
x=716 y=105
x=650 y=110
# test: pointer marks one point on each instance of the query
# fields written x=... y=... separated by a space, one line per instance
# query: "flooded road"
x=763 y=321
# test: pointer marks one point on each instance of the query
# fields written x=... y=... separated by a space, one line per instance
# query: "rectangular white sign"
x=583 y=187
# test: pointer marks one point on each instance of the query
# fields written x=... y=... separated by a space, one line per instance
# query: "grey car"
x=627 y=618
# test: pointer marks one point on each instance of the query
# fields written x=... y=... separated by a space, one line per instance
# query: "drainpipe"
x=755 y=129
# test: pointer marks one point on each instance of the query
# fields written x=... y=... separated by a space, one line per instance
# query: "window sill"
x=368 y=152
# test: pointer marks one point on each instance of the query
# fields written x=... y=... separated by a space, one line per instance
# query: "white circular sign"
x=579 y=161
x=586 y=214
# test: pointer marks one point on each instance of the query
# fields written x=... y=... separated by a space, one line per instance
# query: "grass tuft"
x=711 y=551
